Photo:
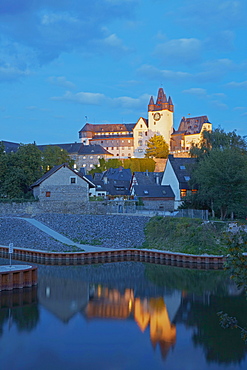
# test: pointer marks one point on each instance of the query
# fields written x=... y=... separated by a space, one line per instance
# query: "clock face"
x=157 y=116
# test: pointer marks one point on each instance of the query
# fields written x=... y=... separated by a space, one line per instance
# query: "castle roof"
x=191 y=125
x=108 y=127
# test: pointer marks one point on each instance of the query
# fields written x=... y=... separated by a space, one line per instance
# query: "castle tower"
x=160 y=116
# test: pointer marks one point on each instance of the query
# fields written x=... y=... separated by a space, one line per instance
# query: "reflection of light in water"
x=48 y=292
x=150 y=312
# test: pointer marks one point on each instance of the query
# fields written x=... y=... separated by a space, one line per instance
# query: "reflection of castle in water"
x=110 y=303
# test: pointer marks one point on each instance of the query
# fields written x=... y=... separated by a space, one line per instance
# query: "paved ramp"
x=63 y=239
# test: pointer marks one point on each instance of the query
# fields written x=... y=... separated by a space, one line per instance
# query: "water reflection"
x=159 y=307
x=19 y=308
x=110 y=303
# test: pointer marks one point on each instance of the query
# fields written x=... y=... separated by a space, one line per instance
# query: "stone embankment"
x=102 y=230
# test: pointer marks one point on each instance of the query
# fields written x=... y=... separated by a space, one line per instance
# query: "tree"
x=218 y=139
x=221 y=178
x=157 y=147
x=53 y=155
x=28 y=158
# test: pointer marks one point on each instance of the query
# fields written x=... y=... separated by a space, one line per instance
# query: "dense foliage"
x=220 y=174
x=135 y=164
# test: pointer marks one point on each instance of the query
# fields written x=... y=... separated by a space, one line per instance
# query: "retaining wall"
x=138 y=255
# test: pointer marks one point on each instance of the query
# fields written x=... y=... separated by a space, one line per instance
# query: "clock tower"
x=160 y=116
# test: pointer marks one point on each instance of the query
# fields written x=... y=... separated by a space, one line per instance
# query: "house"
x=147 y=187
x=155 y=197
x=177 y=174
x=114 y=182
x=146 y=178
x=62 y=189
x=189 y=133
x=86 y=156
x=10 y=147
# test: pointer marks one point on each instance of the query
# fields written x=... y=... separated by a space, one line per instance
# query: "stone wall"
x=56 y=206
x=159 y=205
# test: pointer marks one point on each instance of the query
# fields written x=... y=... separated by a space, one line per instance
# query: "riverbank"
x=105 y=231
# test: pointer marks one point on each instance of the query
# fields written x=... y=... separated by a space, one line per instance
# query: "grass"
x=185 y=235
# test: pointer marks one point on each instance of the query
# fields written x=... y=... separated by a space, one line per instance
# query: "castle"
x=130 y=140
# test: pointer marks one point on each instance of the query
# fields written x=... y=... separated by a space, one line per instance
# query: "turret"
x=151 y=104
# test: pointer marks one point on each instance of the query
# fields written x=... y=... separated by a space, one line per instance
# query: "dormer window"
x=187 y=178
x=182 y=167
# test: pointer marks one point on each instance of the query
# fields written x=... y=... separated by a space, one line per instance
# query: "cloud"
x=156 y=73
x=180 y=50
x=127 y=102
x=237 y=85
x=213 y=13
x=213 y=99
x=206 y=72
x=62 y=82
x=196 y=91
x=9 y=73
x=56 y=26
x=86 y=98
x=221 y=41
x=112 y=43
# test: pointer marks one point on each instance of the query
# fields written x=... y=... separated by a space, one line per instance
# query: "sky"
x=67 y=62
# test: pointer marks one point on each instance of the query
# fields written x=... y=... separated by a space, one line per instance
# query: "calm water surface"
x=122 y=316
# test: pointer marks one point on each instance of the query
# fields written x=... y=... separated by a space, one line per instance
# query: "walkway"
x=63 y=239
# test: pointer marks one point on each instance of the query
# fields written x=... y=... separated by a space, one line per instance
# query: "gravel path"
x=105 y=231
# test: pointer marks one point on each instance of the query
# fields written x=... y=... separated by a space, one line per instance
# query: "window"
x=140 y=150
x=187 y=178
x=91 y=165
x=84 y=157
x=112 y=148
x=139 y=142
x=140 y=126
x=48 y=194
x=182 y=167
x=145 y=192
x=84 y=165
x=140 y=133
x=73 y=180
x=182 y=193
x=128 y=141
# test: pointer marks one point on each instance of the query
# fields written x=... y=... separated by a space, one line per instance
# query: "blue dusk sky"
x=65 y=62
